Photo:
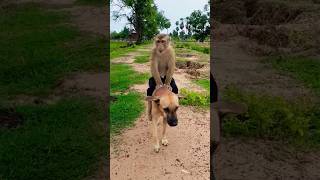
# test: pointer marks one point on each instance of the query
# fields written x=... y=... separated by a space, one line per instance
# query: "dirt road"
x=187 y=155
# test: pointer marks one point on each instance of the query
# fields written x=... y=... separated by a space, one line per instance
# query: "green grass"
x=304 y=69
x=142 y=59
x=125 y=110
x=127 y=107
x=59 y=141
x=191 y=98
x=274 y=118
x=38 y=48
x=122 y=76
x=119 y=48
x=193 y=46
x=92 y=2
x=204 y=83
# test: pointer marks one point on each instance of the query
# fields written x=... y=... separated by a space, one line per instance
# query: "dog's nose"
x=173 y=122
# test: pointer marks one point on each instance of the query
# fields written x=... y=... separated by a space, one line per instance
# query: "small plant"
x=194 y=98
x=273 y=118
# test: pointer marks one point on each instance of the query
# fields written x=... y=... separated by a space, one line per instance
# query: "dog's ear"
x=181 y=97
x=153 y=98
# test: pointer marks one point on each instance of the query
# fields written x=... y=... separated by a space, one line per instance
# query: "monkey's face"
x=162 y=44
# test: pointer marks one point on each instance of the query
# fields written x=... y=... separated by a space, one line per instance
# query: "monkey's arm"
x=170 y=71
x=155 y=71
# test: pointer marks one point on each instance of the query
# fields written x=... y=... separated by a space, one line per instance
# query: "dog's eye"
x=166 y=109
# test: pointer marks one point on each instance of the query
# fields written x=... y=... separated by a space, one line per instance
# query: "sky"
x=173 y=10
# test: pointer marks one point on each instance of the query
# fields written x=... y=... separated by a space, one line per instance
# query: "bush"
x=194 y=98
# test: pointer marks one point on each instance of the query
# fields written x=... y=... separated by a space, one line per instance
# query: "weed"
x=191 y=98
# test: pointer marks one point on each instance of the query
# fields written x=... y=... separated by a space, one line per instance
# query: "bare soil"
x=186 y=156
x=242 y=158
x=232 y=65
x=254 y=159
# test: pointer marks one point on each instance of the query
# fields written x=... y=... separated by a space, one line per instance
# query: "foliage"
x=191 y=98
x=204 y=83
x=64 y=140
x=124 y=34
x=196 y=25
x=144 y=17
x=273 y=118
x=193 y=46
x=199 y=25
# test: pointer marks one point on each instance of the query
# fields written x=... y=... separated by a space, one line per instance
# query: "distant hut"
x=133 y=37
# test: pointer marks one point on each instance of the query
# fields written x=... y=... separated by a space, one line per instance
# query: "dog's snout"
x=172 y=121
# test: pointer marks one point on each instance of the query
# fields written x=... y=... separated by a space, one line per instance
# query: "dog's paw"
x=156 y=148
x=164 y=142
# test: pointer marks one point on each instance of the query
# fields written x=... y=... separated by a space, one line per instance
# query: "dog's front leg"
x=164 y=139
x=155 y=133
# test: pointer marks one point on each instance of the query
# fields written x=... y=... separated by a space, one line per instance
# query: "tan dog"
x=163 y=108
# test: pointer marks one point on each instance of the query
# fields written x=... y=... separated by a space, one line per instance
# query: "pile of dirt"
x=10 y=119
x=274 y=27
x=259 y=12
x=189 y=65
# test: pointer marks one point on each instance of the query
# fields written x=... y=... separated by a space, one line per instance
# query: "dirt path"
x=259 y=159
x=186 y=156
x=231 y=65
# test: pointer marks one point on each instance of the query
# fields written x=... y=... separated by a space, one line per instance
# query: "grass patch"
x=59 y=141
x=125 y=110
x=273 y=118
x=193 y=46
x=119 y=48
x=91 y=2
x=194 y=99
x=142 y=59
x=38 y=48
x=204 y=83
x=122 y=76
x=304 y=69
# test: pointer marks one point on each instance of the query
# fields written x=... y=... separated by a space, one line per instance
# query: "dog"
x=164 y=108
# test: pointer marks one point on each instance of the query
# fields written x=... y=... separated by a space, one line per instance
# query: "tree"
x=164 y=23
x=199 y=25
x=124 y=34
x=143 y=16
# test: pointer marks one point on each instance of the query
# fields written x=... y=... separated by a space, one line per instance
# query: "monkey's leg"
x=164 y=139
x=155 y=134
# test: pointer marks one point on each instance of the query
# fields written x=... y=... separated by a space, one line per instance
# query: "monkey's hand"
x=159 y=86
x=169 y=87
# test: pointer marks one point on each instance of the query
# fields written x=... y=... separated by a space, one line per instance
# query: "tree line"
x=147 y=20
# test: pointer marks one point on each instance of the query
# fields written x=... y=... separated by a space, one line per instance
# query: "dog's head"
x=168 y=104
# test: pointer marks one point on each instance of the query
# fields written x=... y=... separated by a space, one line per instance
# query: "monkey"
x=163 y=64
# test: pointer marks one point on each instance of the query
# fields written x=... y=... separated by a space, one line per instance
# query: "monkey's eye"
x=163 y=41
x=158 y=41
x=166 y=110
